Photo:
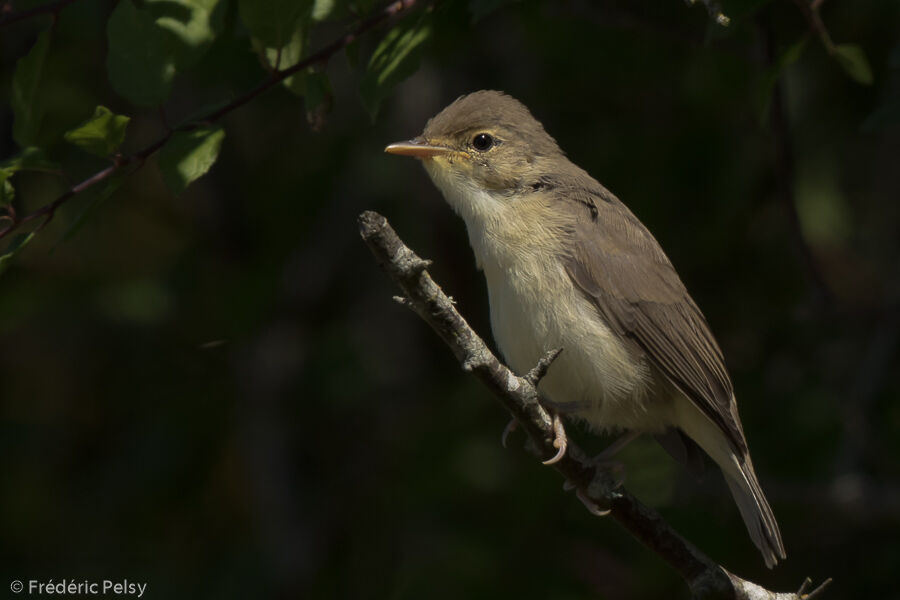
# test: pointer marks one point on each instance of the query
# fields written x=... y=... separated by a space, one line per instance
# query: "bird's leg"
x=560 y=442
x=614 y=448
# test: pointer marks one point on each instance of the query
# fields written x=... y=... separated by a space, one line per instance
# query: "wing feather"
x=621 y=268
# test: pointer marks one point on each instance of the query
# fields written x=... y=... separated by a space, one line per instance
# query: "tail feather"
x=741 y=479
x=755 y=510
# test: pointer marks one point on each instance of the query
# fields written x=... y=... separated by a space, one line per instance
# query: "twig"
x=785 y=171
x=535 y=375
x=51 y=8
x=321 y=56
x=48 y=210
x=810 y=12
x=706 y=579
x=714 y=10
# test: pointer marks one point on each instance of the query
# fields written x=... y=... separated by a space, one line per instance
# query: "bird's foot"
x=608 y=476
x=589 y=504
x=560 y=441
x=510 y=427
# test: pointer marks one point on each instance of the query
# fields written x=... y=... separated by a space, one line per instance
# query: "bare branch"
x=706 y=579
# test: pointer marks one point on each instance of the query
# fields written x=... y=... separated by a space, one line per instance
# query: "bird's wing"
x=621 y=268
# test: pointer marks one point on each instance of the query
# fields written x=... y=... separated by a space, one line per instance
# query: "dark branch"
x=810 y=12
x=519 y=395
x=322 y=56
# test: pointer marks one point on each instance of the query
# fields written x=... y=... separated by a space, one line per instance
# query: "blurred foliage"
x=209 y=389
x=102 y=134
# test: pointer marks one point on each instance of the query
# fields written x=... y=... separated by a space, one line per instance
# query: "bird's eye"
x=482 y=142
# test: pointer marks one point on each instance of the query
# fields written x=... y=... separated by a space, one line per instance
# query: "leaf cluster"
x=152 y=45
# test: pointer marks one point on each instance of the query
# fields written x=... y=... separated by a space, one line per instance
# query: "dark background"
x=215 y=394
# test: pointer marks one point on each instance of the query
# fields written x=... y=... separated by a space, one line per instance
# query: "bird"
x=569 y=266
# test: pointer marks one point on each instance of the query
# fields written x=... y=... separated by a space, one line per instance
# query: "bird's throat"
x=475 y=203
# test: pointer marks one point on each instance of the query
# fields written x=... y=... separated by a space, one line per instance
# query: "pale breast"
x=535 y=307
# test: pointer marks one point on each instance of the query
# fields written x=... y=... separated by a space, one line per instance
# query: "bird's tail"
x=755 y=509
x=741 y=479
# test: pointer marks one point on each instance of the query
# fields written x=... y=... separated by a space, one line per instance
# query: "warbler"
x=570 y=266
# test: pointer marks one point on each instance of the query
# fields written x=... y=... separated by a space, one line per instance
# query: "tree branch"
x=810 y=12
x=322 y=56
x=519 y=395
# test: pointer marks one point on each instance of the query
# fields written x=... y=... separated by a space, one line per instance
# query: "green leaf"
x=29 y=159
x=322 y=9
x=273 y=22
x=396 y=58
x=770 y=77
x=188 y=156
x=102 y=134
x=27 y=103
x=287 y=56
x=7 y=192
x=333 y=10
x=853 y=59
x=141 y=58
x=191 y=24
x=15 y=246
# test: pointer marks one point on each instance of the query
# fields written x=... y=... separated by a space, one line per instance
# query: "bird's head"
x=483 y=147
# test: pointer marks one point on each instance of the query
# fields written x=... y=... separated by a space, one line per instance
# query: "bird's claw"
x=589 y=504
x=510 y=427
x=560 y=441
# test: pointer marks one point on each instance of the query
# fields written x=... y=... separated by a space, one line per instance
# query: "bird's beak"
x=417 y=148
